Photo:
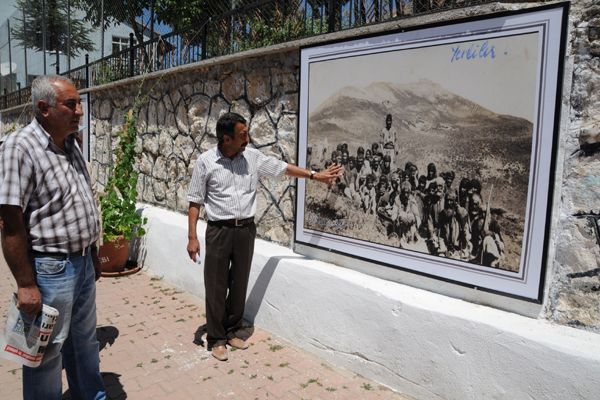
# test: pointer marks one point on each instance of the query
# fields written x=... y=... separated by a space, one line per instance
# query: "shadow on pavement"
x=201 y=331
x=106 y=335
x=112 y=384
x=114 y=389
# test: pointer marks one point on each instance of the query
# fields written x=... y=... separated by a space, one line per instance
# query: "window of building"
x=119 y=43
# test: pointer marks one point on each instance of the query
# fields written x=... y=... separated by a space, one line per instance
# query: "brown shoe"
x=219 y=352
x=237 y=343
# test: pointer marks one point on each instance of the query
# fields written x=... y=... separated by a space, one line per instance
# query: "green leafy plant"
x=118 y=205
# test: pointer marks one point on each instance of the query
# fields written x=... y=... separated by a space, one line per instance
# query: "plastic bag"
x=25 y=340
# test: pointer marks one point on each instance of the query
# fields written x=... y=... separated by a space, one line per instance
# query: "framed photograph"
x=447 y=136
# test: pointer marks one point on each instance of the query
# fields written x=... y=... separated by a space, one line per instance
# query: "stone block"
x=159 y=189
x=159 y=170
x=262 y=130
x=218 y=107
x=241 y=107
x=146 y=163
x=258 y=88
x=181 y=118
x=232 y=87
x=150 y=143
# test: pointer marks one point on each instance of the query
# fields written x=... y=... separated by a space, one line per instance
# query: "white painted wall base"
x=423 y=344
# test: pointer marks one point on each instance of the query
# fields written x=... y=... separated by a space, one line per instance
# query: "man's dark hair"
x=226 y=125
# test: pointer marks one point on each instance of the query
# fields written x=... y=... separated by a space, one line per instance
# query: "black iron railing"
x=251 y=26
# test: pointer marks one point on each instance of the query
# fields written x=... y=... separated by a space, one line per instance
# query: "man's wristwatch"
x=312 y=174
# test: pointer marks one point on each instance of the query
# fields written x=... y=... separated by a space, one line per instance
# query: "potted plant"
x=120 y=220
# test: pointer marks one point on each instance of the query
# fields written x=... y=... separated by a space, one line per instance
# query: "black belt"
x=63 y=256
x=232 y=222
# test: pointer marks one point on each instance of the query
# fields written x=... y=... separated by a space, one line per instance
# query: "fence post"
x=19 y=91
x=204 y=40
x=131 y=55
x=331 y=8
x=150 y=48
x=87 y=70
x=5 y=98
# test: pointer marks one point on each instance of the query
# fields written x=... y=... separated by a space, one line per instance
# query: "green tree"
x=64 y=33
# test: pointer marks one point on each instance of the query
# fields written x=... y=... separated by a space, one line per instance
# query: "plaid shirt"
x=52 y=188
x=227 y=187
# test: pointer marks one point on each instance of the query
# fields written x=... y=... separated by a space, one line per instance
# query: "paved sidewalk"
x=146 y=332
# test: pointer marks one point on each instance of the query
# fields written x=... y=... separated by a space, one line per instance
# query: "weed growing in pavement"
x=275 y=347
x=367 y=386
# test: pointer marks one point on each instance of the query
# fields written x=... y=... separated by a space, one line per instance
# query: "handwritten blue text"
x=474 y=51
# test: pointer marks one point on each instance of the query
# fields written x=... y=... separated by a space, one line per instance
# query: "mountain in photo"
x=433 y=125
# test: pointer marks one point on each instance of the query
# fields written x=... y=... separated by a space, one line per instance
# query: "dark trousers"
x=227 y=264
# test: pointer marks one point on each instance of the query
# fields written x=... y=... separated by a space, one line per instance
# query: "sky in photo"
x=498 y=73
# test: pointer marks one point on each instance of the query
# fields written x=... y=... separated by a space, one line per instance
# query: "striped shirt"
x=52 y=187
x=227 y=187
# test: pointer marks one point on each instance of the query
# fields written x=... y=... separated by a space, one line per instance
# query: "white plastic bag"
x=25 y=341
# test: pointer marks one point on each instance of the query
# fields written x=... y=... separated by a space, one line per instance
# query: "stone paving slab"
x=146 y=332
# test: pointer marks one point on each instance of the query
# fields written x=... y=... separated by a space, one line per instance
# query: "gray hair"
x=42 y=89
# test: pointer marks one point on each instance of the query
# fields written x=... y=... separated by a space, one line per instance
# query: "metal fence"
x=146 y=43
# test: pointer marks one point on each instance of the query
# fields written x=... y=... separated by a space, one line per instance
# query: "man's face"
x=240 y=138
x=63 y=117
x=476 y=203
x=430 y=172
x=360 y=161
x=449 y=179
x=344 y=158
x=432 y=189
x=388 y=122
x=450 y=203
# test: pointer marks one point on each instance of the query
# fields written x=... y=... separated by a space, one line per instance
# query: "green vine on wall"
x=118 y=205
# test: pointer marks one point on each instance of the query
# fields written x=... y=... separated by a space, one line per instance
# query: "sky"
x=503 y=80
x=7 y=7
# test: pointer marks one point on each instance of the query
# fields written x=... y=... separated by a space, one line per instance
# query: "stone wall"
x=177 y=122
x=574 y=284
x=178 y=118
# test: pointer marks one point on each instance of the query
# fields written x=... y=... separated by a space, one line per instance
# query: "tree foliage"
x=59 y=26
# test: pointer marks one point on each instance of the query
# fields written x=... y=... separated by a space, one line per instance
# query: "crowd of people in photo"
x=452 y=220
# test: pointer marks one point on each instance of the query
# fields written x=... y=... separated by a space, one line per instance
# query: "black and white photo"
x=446 y=136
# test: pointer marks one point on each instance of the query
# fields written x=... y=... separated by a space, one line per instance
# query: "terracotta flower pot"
x=113 y=255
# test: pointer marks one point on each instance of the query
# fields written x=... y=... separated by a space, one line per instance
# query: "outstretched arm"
x=14 y=246
x=326 y=176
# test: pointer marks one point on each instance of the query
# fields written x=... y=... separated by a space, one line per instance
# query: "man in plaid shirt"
x=50 y=226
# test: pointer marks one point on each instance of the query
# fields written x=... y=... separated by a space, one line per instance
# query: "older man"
x=225 y=180
x=50 y=227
